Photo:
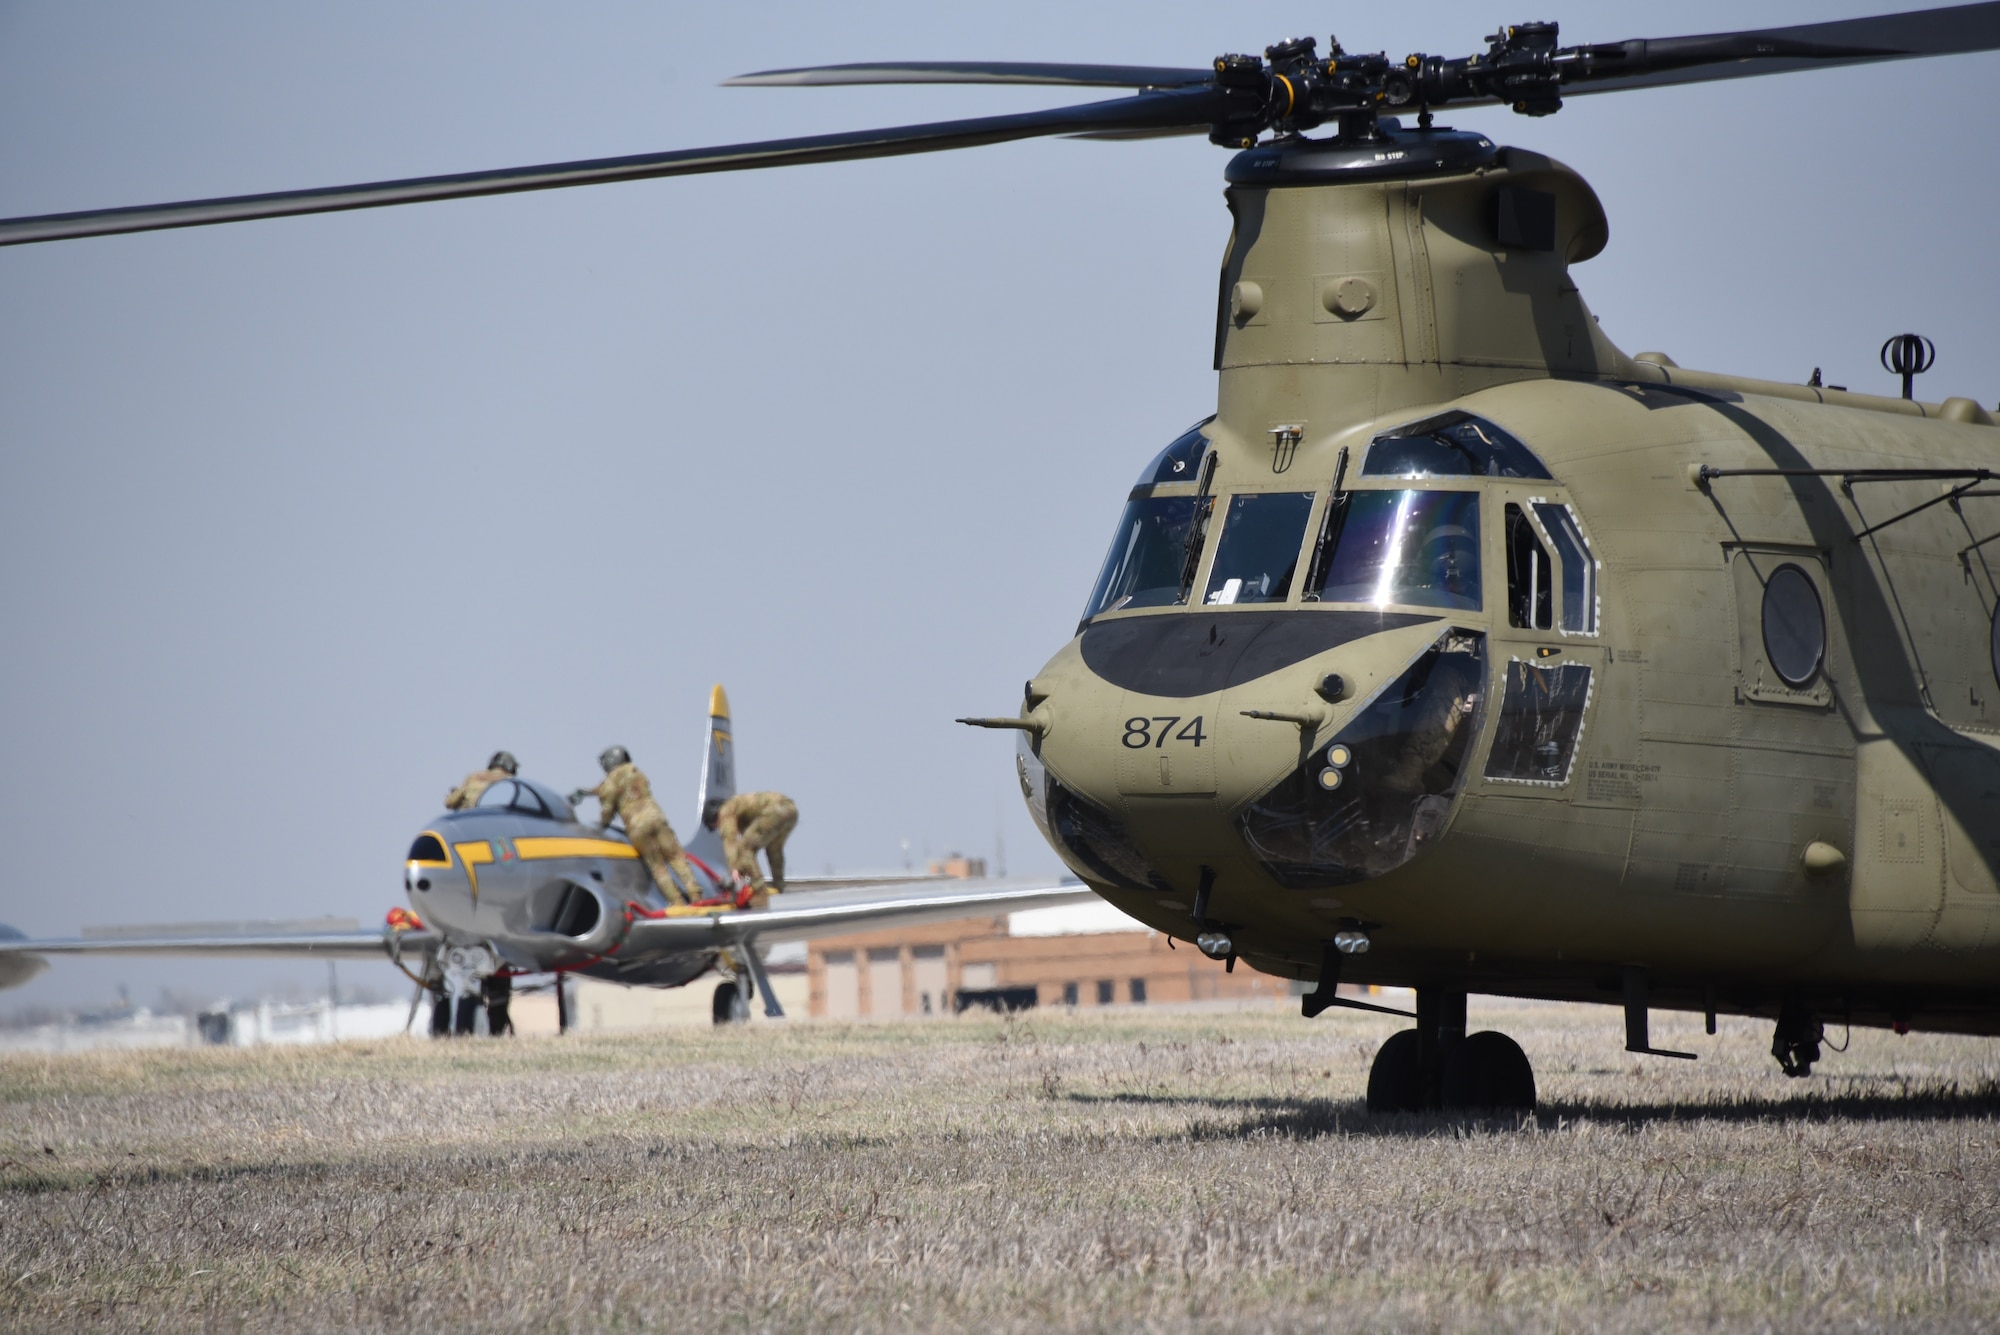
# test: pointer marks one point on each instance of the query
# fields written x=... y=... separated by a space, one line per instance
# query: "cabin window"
x=1794 y=625
x=1259 y=548
x=1417 y=548
x=1541 y=717
x=1152 y=556
x=1529 y=575
x=1579 y=567
x=1781 y=625
x=1455 y=444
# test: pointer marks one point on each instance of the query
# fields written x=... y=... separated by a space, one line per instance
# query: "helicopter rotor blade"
x=1147 y=110
x=1661 y=62
x=975 y=71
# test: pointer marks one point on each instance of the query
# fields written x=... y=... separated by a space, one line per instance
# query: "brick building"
x=1082 y=955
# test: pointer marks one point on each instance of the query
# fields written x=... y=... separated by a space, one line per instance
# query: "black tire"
x=1489 y=1071
x=729 y=1006
x=441 y=1017
x=498 y=992
x=468 y=1016
x=1394 y=1083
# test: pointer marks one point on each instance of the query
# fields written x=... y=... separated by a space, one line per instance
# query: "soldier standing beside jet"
x=749 y=822
x=626 y=793
x=501 y=766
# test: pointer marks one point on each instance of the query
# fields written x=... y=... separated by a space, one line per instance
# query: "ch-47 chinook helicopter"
x=517 y=885
x=1460 y=649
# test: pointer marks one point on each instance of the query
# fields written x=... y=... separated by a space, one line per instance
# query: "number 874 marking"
x=1139 y=731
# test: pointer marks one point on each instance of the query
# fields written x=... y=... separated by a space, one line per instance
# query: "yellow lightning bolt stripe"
x=537 y=848
x=474 y=855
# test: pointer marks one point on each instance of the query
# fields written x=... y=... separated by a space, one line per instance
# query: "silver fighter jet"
x=517 y=885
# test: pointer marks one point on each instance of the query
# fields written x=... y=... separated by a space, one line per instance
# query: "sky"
x=301 y=519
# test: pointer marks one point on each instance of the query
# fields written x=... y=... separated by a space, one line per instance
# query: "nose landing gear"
x=1438 y=1065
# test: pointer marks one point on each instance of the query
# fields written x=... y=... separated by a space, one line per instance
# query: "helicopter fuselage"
x=1437 y=641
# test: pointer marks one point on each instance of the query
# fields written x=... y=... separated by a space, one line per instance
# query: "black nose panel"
x=1183 y=654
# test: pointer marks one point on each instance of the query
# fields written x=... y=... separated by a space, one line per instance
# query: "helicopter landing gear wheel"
x=1395 y=1082
x=466 y=1016
x=730 y=1005
x=1796 y=1041
x=1488 y=1070
x=441 y=1017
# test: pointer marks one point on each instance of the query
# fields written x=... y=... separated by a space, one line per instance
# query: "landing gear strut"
x=1438 y=1065
x=1796 y=1042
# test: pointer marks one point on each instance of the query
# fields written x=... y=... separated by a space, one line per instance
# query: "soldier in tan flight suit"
x=625 y=793
x=502 y=766
x=749 y=822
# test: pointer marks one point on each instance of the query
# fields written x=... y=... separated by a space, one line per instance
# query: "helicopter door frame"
x=1549 y=653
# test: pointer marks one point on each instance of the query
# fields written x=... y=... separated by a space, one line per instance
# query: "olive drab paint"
x=1665 y=778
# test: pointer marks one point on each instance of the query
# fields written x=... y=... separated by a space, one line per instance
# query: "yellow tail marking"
x=718 y=703
x=532 y=849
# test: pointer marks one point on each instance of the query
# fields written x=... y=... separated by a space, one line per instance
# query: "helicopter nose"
x=1335 y=767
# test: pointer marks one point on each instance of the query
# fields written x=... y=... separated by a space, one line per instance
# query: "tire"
x=498 y=993
x=468 y=1016
x=1393 y=1081
x=1489 y=1071
x=729 y=1007
x=441 y=1017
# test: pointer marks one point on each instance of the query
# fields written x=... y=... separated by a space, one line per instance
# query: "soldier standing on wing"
x=749 y=822
x=625 y=793
x=502 y=766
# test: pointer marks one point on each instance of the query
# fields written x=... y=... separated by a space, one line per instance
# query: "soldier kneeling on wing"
x=502 y=766
x=750 y=822
x=626 y=794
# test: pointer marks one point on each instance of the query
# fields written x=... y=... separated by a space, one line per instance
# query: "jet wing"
x=801 y=915
x=21 y=958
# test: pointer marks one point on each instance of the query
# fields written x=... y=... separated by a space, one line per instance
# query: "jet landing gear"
x=732 y=1001
x=469 y=981
x=1438 y=1066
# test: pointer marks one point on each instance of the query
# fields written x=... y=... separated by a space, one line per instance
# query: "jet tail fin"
x=718 y=781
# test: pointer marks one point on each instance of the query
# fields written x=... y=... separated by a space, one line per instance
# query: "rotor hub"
x=1392 y=153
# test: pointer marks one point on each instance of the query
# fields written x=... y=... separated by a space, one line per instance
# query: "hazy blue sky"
x=301 y=519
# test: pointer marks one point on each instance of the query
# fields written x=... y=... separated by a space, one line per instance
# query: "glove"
x=578 y=796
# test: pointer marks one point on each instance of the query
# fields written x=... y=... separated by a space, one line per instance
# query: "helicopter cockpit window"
x=1259 y=548
x=1180 y=461
x=1152 y=554
x=1416 y=548
x=1455 y=444
x=1579 y=567
x=1529 y=575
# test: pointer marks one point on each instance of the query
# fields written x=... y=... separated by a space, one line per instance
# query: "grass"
x=1127 y=1170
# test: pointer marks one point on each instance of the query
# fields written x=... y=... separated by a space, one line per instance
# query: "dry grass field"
x=1117 y=1170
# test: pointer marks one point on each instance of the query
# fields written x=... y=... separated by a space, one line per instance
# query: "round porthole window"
x=1795 y=625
